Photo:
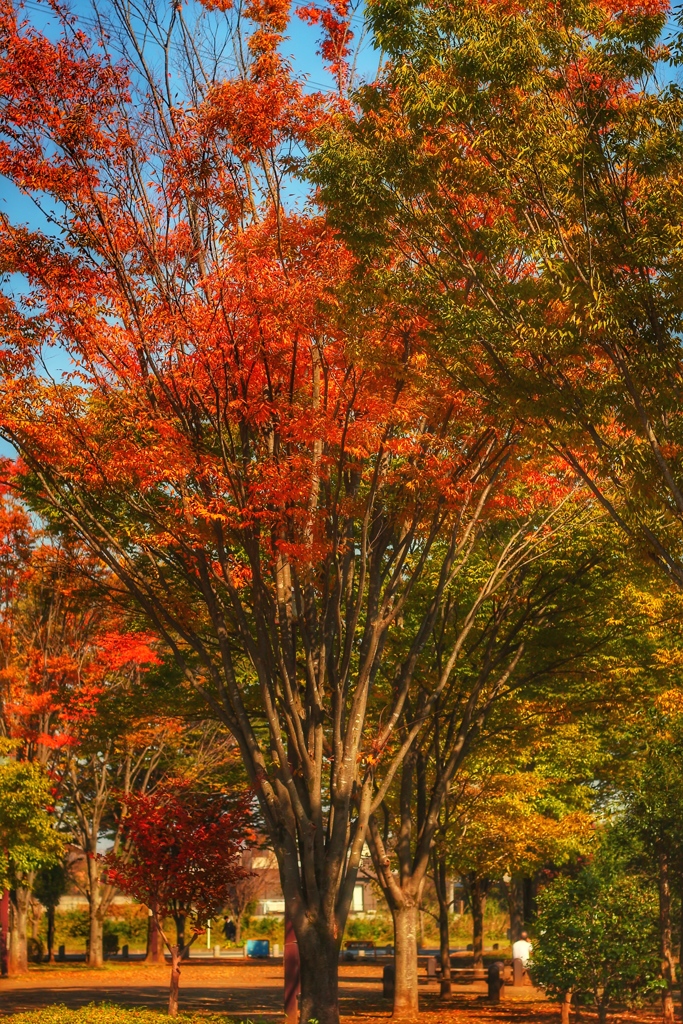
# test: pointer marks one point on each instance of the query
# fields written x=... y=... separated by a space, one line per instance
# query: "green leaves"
x=108 y=1013
x=28 y=837
x=597 y=938
x=516 y=175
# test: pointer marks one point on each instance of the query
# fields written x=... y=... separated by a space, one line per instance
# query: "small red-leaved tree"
x=183 y=859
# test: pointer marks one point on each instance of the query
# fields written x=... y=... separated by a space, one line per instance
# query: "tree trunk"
x=95 y=954
x=180 y=935
x=515 y=893
x=668 y=970
x=35 y=918
x=478 y=904
x=18 y=952
x=405 y=959
x=155 y=946
x=565 y=1007
x=441 y=880
x=95 y=938
x=238 y=930
x=50 y=935
x=176 y=955
x=530 y=890
x=5 y=911
x=602 y=1011
x=319 y=973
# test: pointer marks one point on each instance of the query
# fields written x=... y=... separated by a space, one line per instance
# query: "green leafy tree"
x=29 y=841
x=516 y=174
x=510 y=822
x=651 y=791
x=48 y=888
x=522 y=646
x=597 y=939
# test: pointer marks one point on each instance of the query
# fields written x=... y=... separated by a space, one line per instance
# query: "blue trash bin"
x=257 y=948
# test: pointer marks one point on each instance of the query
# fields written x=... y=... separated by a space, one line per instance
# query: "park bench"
x=355 y=948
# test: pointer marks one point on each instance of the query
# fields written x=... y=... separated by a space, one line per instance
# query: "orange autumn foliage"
x=269 y=474
x=61 y=643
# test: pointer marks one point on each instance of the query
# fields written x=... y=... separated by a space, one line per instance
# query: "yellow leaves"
x=508 y=827
x=670 y=702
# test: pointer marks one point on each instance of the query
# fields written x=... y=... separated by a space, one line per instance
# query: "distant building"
x=270 y=900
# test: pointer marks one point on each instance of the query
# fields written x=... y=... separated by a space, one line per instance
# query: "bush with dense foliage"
x=128 y=922
x=597 y=938
x=271 y=928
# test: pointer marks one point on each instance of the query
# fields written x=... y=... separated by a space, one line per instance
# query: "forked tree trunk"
x=668 y=970
x=18 y=952
x=177 y=953
x=478 y=905
x=176 y=956
x=403 y=894
x=319 y=974
x=441 y=880
x=405 y=915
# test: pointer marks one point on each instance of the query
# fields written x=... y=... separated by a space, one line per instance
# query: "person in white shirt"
x=521 y=949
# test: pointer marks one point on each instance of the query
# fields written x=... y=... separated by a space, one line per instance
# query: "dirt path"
x=254 y=992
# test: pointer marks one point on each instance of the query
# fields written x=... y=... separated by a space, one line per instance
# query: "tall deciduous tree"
x=100 y=774
x=506 y=627
x=269 y=483
x=29 y=841
x=518 y=173
x=510 y=824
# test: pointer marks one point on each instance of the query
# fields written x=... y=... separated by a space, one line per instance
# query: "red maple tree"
x=183 y=857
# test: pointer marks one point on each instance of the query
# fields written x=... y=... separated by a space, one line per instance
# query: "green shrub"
x=597 y=938
x=74 y=924
x=272 y=928
x=129 y=921
x=109 y=1013
x=126 y=922
x=378 y=929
